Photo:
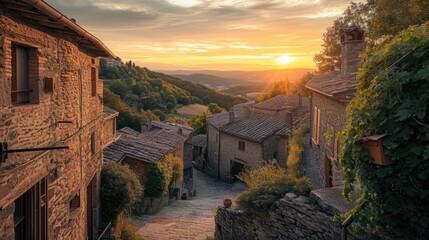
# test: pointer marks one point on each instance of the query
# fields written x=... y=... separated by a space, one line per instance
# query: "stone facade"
x=229 y=145
x=211 y=164
x=70 y=174
x=330 y=94
x=332 y=120
x=291 y=217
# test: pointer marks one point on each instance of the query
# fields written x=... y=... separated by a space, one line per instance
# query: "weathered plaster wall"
x=68 y=172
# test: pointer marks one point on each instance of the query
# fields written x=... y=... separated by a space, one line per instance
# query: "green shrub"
x=119 y=190
x=268 y=172
x=260 y=199
x=295 y=149
x=154 y=182
x=163 y=175
x=126 y=229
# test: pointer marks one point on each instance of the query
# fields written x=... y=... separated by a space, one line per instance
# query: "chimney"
x=246 y=111
x=289 y=119
x=298 y=101
x=231 y=116
x=180 y=130
x=352 y=44
x=146 y=126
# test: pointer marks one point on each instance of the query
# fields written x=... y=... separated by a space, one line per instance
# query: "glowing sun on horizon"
x=284 y=59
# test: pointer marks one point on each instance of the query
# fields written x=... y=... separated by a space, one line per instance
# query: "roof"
x=186 y=130
x=108 y=113
x=148 y=146
x=334 y=85
x=257 y=126
x=277 y=103
x=172 y=139
x=40 y=13
x=218 y=119
x=199 y=140
x=132 y=145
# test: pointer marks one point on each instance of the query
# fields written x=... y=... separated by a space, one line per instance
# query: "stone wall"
x=333 y=117
x=291 y=218
x=109 y=130
x=68 y=172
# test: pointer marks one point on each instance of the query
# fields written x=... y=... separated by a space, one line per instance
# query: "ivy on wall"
x=393 y=98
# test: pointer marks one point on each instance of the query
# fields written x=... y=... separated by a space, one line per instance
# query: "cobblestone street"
x=189 y=219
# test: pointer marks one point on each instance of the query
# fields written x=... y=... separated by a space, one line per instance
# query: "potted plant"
x=227 y=202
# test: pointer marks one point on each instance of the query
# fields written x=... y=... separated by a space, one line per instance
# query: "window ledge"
x=25 y=105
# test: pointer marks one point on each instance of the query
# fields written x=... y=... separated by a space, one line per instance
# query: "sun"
x=284 y=59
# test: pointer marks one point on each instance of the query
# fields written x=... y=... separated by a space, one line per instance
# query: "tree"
x=119 y=190
x=155 y=183
x=393 y=16
x=381 y=19
x=392 y=99
x=119 y=87
x=214 y=108
x=147 y=115
x=356 y=13
x=198 y=122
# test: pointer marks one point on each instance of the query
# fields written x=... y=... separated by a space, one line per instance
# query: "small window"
x=92 y=60
x=31 y=213
x=93 y=81
x=92 y=144
x=25 y=74
x=241 y=145
x=315 y=133
x=20 y=75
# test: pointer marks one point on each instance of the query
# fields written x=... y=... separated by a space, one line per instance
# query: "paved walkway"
x=189 y=219
x=309 y=164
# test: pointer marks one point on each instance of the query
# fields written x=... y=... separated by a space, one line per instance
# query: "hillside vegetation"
x=133 y=90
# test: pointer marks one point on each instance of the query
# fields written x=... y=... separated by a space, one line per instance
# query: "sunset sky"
x=208 y=34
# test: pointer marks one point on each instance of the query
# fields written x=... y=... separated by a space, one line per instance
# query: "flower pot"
x=227 y=203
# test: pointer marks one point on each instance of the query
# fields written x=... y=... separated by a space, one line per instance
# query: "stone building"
x=330 y=95
x=250 y=134
x=50 y=101
x=141 y=149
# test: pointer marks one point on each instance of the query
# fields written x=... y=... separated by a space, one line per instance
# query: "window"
x=241 y=145
x=316 y=125
x=92 y=144
x=25 y=72
x=93 y=81
x=31 y=213
x=20 y=74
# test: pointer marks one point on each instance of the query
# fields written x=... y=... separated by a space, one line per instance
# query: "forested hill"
x=130 y=89
x=205 y=94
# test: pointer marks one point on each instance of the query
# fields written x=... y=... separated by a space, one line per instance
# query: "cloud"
x=158 y=28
